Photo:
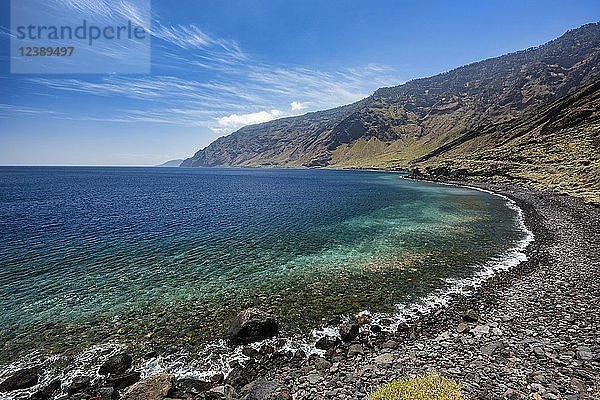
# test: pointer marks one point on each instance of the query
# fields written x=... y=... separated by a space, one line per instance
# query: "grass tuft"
x=425 y=387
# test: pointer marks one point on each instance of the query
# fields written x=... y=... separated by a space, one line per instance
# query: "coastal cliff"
x=529 y=116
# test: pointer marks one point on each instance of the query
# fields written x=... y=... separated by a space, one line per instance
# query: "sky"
x=217 y=65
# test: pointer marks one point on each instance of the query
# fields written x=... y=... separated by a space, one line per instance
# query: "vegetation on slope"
x=556 y=147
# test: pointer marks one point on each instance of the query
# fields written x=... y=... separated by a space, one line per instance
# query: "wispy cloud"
x=8 y=110
x=206 y=81
x=192 y=37
x=252 y=90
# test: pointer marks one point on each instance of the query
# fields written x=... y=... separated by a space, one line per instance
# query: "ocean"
x=161 y=259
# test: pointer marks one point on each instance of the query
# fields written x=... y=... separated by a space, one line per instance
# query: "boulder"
x=313 y=379
x=322 y=364
x=403 y=328
x=471 y=316
x=78 y=384
x=151 y=354
x=116 y=364
x=355 y=349
x=265 y=389
x=48 y=391
x=584 y=353
x=266 y=350
x=250 y=352
x=189 y=387
x=463 y=328
x=217 y=378
x=349 y=332
x=251 y=325
x=122 y=381
x=327 y=342
x=155 y=387
x=241 y=375
x=298 y=356
x=481 y=330
x=106 y=393
x=385 y=358
x=226 y=392
x=491 y=348
x=21 y=379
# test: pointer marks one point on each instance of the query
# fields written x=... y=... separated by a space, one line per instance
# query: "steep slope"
x=427 y=113
x=426 y=121
x=396 y=125
x=286 y=142
x=556 y=146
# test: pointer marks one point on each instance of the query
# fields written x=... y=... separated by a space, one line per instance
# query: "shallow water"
x=162 y=258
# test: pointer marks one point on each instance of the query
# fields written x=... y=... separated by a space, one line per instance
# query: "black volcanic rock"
x=122 y=381
x=471 y=316
x=116 y=364
x=21 y=379
x=349 y=332
x=79 y=384
x=327 y=342
x=48 y=391
x=251 y=325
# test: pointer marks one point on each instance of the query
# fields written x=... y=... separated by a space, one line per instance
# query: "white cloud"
x=208 y=81
x=234 y=121
x=297 y=106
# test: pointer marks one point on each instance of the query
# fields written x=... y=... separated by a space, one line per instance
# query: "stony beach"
x=530 y=333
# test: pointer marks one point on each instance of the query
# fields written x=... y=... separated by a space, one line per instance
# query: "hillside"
x=464 y=118
x=557 y=146
x=171 y=163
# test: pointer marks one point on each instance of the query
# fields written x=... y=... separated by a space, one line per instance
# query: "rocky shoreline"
x=530 y=333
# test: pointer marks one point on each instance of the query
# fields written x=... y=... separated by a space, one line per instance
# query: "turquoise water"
x=161 y=258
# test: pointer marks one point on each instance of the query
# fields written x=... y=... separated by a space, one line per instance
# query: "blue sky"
x=218 y=65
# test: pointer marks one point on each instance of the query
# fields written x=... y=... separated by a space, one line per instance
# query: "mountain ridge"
x=412 y=125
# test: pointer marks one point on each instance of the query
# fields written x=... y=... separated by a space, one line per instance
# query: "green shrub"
x=425 y=387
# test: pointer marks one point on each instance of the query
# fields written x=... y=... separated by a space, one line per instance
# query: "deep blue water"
x=167 y=255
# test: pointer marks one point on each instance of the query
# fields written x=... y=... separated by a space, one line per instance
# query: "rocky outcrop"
x=48 y=391
x=251 y=325
x=116 y=364
x=349 y=332
x=22 y=379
